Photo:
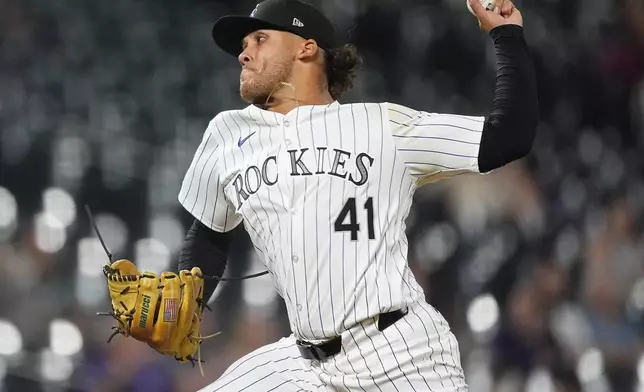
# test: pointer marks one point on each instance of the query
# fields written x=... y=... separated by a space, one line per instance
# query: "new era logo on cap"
x=296 y=22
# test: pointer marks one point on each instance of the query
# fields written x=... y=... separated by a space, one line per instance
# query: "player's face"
x=267 y=60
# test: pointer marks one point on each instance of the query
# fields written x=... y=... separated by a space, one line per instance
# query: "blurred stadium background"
x=538 y=267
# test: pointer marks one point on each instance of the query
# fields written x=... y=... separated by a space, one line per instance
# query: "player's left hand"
x=503 y=13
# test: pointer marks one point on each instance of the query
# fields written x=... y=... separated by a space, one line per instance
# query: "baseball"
x=488 y=4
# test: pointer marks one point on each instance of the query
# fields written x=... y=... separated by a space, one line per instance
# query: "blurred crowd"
x=538 y=266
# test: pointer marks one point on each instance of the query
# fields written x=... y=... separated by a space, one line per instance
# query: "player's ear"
x=308 y=50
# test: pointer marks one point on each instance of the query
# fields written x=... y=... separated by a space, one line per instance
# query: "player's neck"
x=285 y=102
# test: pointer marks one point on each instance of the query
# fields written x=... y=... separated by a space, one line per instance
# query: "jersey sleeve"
x=202 y=193
x=435 y=146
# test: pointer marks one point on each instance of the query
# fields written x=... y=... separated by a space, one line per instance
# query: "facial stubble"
x=265 y=82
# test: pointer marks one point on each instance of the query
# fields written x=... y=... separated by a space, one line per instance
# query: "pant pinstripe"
x=418 y=353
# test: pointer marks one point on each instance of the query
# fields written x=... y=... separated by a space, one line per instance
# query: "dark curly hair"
x=341 y=66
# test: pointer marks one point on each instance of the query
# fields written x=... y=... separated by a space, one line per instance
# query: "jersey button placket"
x=288 y=183
x=287 y=126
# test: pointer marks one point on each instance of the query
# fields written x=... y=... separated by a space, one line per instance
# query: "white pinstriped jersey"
x=323 y=192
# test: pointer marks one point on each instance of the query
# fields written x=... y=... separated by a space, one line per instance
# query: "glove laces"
x=124 y=318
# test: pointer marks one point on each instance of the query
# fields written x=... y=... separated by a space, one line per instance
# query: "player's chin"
x=251 y=95
x=248 y=97
x=245 y=92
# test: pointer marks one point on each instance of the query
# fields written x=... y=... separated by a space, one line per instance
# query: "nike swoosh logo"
x=242 y=141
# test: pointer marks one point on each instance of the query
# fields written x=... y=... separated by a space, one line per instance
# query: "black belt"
x=334 y=346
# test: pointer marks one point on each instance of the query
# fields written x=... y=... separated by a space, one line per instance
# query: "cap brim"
x=229 y=31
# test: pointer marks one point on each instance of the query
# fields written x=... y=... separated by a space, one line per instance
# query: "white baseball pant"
x=417 y=353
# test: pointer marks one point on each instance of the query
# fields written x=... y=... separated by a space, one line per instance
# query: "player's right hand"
x=504 y=13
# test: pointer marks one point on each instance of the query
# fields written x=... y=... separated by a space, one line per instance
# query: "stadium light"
x=11 y=342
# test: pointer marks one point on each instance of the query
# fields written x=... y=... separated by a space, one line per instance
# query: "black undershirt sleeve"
x=511 y=126
x=208 y=250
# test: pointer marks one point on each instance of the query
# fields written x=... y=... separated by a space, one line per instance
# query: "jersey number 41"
x=353 y=226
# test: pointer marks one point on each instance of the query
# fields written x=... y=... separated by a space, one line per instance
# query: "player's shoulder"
x=233 y=118
x=229 y=124
x=394 y=114
x=359 y=111
x=390 y=110
x=397 y=111
x=360 y=106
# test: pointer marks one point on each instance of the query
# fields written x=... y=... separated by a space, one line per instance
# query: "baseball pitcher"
x=323 y=190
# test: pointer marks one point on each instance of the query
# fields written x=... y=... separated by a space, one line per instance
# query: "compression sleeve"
x=208 y=250
x=510 y=128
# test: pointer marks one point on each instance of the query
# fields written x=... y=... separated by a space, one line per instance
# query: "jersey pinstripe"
x=323 y=192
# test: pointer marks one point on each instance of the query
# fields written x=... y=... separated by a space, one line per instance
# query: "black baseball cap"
x=293 y=16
